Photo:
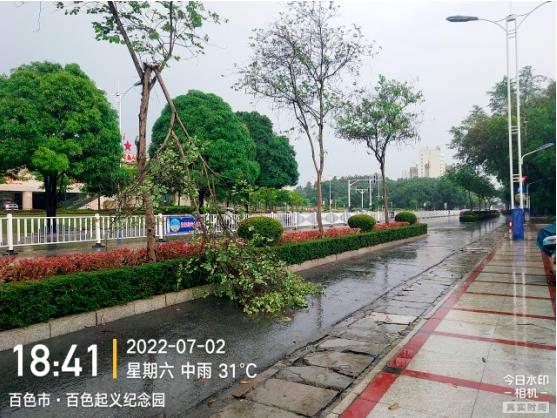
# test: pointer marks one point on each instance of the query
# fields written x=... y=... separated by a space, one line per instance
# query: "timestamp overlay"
x=161 y=362
x=140 y=366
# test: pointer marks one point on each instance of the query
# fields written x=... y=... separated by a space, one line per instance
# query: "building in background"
x=27 y=191
x=431 y=164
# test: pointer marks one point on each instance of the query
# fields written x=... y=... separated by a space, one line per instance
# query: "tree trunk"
x=51 y=198
x=470 y=199
x=385 y=200
x=99 y=202
x=201 y=197
x=319 y=203
x=320 y=170
x=142 y=162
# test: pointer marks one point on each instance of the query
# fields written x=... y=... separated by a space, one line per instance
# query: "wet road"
x=349 y=286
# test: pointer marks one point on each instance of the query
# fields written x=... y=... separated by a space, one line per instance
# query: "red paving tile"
x=366 y=401
x=487 y=387
x=358 y=409
x=507 y=295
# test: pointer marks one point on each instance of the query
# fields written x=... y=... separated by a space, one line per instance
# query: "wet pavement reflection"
x=350 y=285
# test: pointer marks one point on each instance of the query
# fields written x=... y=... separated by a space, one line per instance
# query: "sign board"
x=176 y=225
x=391 y=215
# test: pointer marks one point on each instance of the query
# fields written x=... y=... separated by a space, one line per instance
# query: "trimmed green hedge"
x=406 y=216
x=478 y=215
x=31 y=302
x=364 y=222
x=296 y=253
x=263 y=226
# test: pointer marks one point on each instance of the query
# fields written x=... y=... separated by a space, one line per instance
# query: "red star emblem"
x=128 y=146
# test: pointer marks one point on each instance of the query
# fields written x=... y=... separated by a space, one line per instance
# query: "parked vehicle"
x=546 y=241
x=9 y=205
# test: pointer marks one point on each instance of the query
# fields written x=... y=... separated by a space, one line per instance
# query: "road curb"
x=71 y=323
x=306 y=265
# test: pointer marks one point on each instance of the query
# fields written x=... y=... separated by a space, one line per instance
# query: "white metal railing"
x=41 y=230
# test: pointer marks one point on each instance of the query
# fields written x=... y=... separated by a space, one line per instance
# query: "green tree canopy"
x=275 y=155
x=403 y=193
x=229 y=150
x=481 y=140
x=298 y=63
x=55 y=121
x=386 y=116
x=473 y=182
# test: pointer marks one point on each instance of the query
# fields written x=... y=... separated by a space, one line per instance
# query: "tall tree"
x=151 y=31
x=55 y=121
x=275 y=155
x=379 y=119
x=298 y=63
x=229 y=150
x=473 y=182
x=481 y=139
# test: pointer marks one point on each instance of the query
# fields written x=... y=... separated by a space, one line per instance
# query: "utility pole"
x=353 y=182
x=370 y=193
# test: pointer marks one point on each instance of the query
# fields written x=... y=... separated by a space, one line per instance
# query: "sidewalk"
x=487 y=351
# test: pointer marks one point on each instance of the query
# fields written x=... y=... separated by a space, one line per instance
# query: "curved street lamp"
x=120 y=97
x=540 y=148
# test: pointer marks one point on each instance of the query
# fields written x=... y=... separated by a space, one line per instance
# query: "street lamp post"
x=512 y=24
x=352 y=183
x=119 y=97
x=330 y=195
x=540 y=148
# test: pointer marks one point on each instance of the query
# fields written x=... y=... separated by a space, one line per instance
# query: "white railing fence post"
x=10 y=233
x=161 y=229
x=98 y=238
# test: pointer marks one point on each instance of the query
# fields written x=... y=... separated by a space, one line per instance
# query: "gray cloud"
x=454 y=64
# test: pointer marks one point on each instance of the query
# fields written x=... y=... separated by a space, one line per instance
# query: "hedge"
x=297 y=253
x=478 y=215
x=265 y=227
x=406 y=216
x=363 y=222
x=29 y=302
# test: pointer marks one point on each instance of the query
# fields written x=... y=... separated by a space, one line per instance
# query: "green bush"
x=176 y=210
x=409 y=217
x=30 y=302
x=364 y=222
x=296 y=253
x=256 y=279
x=187 y=210
x=478 y=215
x=260 y=226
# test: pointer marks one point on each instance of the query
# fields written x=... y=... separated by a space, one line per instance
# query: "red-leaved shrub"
x=297 y=236
x=12 y=270
x=391 y=224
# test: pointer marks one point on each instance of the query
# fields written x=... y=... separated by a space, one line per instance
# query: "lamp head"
x=460 y=19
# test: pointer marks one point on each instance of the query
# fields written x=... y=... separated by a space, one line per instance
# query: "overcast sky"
x=453 y=64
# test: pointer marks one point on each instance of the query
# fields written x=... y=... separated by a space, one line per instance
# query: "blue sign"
x=176 y=225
